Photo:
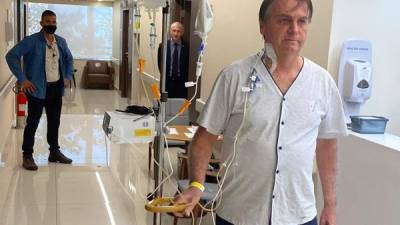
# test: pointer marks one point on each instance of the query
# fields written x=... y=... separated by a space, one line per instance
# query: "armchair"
x=98 y=74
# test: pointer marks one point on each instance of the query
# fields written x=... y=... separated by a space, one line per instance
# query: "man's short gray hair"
x=266 y=5
x=178 y=24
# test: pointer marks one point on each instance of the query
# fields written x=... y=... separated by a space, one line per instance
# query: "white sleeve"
x=218 y=108
x=333 y=125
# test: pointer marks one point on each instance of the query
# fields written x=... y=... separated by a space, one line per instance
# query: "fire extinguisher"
x=21 y=103
x=21 y=106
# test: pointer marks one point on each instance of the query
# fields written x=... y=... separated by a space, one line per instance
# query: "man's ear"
x=261 y=30
x=262 y=26
x=41 y=23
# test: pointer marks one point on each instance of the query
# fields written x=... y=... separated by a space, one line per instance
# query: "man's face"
x=286 y=26
x=48 y=20
x=176 y=32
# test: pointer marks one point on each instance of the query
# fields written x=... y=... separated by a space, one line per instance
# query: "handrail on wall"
x=8 y=86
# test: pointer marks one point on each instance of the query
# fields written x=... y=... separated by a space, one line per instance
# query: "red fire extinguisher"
x=21 y=106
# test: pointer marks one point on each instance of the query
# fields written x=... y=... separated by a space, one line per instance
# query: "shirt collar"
x=178 y=42
x=47 y=41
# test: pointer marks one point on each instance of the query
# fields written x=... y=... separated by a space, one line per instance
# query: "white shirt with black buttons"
x=271 y=175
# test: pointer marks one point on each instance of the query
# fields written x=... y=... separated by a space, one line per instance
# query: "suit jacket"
x=175 y=88
x=184 y=60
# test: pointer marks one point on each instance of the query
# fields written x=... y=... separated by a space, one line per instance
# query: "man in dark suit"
x=177 y=62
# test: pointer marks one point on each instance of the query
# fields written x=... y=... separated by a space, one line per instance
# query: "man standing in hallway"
x=48 y=67
x=277 y=110
x=177 y=62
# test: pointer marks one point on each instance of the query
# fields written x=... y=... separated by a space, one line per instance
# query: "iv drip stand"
x=159 y=140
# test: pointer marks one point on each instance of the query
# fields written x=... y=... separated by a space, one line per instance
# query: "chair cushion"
x=98 y=75
x=209 y=193
x=98 y=78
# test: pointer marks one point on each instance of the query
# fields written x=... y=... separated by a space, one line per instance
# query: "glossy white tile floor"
x=92 y=101
x=103 y=186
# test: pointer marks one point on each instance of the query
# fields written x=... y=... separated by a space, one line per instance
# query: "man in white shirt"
x=47 y=69
x=276 y=110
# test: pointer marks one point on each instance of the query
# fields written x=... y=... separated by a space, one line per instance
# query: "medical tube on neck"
x=270 y=59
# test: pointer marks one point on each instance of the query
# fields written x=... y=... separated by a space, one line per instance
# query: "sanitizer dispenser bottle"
x=357 y=81
x=355 y=75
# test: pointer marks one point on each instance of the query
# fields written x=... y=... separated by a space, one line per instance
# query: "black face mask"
x=50 y=29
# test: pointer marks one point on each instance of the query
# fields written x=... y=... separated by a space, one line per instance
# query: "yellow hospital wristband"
x=197 y=185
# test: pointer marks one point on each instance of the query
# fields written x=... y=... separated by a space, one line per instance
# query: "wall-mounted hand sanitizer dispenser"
x=355 y=75
x=357 y=84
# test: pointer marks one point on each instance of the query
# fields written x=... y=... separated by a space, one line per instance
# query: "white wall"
x=235 y=35
x=368 y=180
x=316 y=47
x=7 y=100
x=376 y=21
x=6 y=16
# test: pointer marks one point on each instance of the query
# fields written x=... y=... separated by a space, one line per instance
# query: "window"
x=87 y=29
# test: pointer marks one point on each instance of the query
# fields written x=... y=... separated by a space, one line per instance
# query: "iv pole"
x=159 y=140
x=205 y=23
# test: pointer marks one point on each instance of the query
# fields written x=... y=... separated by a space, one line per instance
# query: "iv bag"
x=204 y=19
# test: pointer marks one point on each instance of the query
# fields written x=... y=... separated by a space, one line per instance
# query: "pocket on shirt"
x=307 y=112
x=259 y=122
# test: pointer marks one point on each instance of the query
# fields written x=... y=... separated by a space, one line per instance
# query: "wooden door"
x=124 y=68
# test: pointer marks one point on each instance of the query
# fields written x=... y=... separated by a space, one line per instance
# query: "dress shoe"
x=29 y=163
x=57 y=156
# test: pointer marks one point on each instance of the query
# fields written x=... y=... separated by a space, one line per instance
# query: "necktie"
x=175 y=62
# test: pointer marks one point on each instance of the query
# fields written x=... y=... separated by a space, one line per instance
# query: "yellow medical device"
x=158 y=206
